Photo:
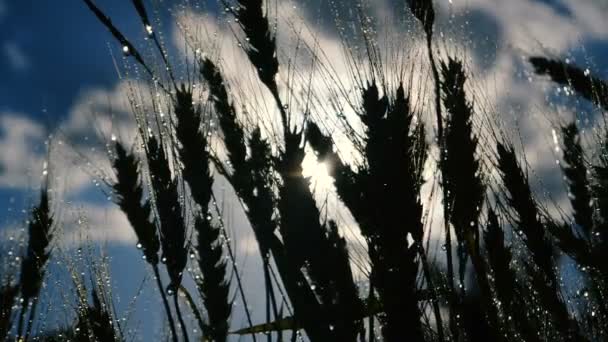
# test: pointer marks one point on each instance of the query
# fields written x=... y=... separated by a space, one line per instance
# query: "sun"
x=318 y=173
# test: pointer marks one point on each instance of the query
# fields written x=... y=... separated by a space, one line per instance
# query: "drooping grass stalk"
x=193 y=150
x=130 y=193
x=595 y=90
x=195 y=158
x=259 y=197
x=262 y=44
x=253 y=180
x=249 y=175
x=589 y=247
x=213 y=285
x=96 y=315
x=461 y=171
x=95 y=322
x=171 y=220
x=586 y=85
x=300 y=227
x=301 y=230
x=521 y=200
x=125 y=44
x=588 y=256
x=143 y=15
x=600 y=193
x=392 y=171
x=33 y=267
x=261 y=51
x=463 y=183
x=575 y=171
x=599 y=189
x=391 y=175
x=165 y=188
x=424 y=12
x=169 y=207
x=499 y=258
x=346 y=307
x=579 y=243
x=231 y=255
x=538 y=243
x=130 y=199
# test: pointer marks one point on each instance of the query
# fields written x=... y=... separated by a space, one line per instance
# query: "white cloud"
x=528 y=28
x=502 y=91
x=23 y=151
x=78 y=160
x=97 y=223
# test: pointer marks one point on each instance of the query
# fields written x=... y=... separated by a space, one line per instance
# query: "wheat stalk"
x=130 y=192
x=586 y=85
x=195 y=158
x=33 y=267
x=538 y=243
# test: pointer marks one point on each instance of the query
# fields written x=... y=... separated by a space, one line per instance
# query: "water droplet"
x=149 y=30
x=125 y=50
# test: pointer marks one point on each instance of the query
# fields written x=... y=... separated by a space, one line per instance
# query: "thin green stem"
x=22 y=318
x=433 y=291
x=236 y=271
x=180 y=318
x=30 y=320
x=192 y=305
x=165 y=302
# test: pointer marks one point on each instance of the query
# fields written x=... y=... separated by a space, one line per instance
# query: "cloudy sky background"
x=59 y=79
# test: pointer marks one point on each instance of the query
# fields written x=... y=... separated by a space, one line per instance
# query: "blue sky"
x=62 y=52
x=54 y=56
